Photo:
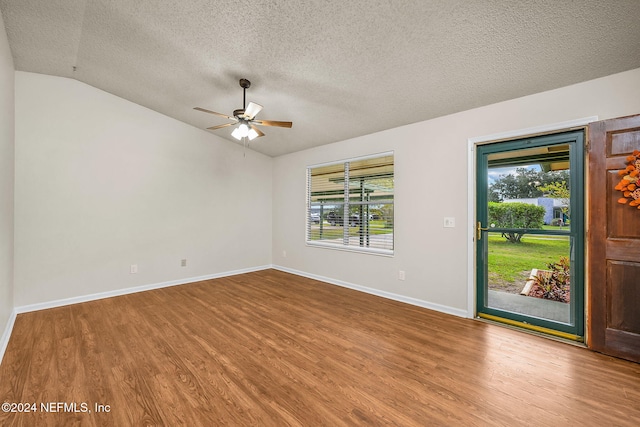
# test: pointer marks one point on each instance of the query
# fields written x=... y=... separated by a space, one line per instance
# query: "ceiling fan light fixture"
x=236 y=134
x=252 y=110
x=241 y=131
x=252 y=134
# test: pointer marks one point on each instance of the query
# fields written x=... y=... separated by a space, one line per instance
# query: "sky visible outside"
x=495 y=173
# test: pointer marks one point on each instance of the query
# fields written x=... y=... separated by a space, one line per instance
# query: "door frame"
x=578 y=124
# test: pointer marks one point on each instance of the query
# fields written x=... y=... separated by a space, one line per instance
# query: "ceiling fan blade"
x=258 y=131
x=221 y=126
x=272 y=123
x=213 y=112
x=252 y=110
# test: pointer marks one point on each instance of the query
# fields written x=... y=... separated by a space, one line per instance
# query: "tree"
x=524 y=183
x=522 y=216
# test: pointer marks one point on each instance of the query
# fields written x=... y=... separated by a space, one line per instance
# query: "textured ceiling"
x=337 y=69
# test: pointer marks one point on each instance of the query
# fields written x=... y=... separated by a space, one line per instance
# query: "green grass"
x=511 y=263
x=335 y=232
x=556 y=228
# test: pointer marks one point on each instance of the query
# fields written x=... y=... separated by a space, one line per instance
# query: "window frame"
x=345 y=206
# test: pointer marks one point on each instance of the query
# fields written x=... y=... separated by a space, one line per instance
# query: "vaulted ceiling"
x=337 y=69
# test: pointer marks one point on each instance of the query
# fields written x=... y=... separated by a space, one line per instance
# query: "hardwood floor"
x=273 y=349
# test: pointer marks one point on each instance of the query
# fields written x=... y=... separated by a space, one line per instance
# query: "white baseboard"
x=119 y=292
x=389 y=295
x=4 y=340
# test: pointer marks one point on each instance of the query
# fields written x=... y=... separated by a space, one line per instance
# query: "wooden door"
x=613 y=242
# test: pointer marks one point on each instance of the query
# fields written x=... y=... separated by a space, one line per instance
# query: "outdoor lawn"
x=335 y=232
x=510 y=263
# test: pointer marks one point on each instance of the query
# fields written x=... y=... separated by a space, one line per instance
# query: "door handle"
x=479 y=230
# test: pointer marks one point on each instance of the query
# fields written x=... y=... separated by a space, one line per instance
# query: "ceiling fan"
x=245 y=116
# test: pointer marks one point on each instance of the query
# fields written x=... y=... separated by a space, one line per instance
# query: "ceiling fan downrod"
x=244 y=84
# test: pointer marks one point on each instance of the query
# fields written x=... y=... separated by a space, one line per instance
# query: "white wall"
x=102 y=183
x=431 y=183
x=6 y=182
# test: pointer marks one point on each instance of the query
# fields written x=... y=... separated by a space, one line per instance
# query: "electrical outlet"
x=183 y=263
x=449 y=222
x=401 y=275
x=134 y=268
x=284 y=254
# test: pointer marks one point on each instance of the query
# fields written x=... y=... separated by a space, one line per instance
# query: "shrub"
x=516 y=215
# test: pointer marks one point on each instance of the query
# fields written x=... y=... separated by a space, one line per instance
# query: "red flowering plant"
x=629 y=184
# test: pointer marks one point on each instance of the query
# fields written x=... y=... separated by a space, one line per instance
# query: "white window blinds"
x=350 y=204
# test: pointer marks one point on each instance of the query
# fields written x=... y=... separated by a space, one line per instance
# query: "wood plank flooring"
x=274 y=349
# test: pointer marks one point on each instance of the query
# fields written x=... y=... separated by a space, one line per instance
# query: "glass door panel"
x=512 y=270
x=529 y=232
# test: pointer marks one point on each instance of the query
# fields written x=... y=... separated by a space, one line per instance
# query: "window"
x=350 y=204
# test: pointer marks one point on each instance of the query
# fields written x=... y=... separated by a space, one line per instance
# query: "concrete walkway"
x=536 y=307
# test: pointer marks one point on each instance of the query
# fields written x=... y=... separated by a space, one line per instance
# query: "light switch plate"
x=449 y=222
